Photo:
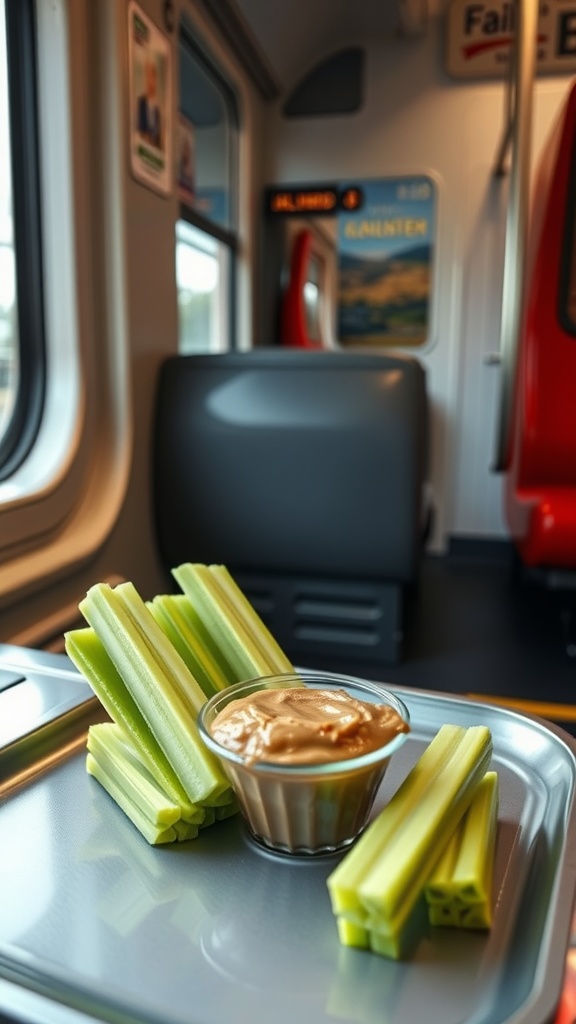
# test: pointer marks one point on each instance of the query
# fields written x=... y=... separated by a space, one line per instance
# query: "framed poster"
x=385 y=261
x=150 y=71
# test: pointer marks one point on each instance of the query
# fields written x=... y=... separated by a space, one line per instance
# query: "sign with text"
x=480 y=37
x=319 y=200
x=385 y=257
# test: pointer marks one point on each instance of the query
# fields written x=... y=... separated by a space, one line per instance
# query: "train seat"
x=304 y=472
x=540 y=487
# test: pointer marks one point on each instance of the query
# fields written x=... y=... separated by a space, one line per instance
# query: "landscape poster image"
x=385 y=262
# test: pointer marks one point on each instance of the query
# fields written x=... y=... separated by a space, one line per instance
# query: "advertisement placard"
x=149 y=61
x=385 y=259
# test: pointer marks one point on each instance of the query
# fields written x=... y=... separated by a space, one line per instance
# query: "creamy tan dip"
x=304 y=726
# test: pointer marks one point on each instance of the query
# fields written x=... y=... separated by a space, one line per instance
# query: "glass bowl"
x=305 y=808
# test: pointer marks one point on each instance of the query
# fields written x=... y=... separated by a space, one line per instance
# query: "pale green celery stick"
x=477 y=917
x=154 y=834
x=403 y=867
x=228 y=811
x=440 y=889
x=351 y=934
x=185 y=831
x=399 y=941
x=192 y=619
x=393 y=942
x=114 y=755
x=391 y=946
x=89 y=655
x=462 y=886
x=222 y=799
x=344 y=881
x=191 y=649
x=445 y=915
x=209 y=817
x=160 y=647
x=170 y=717
x=167 y=626
x=113 y=737
x=472 y=878
x=239 y=640
x=453 y=914
x=247 y=613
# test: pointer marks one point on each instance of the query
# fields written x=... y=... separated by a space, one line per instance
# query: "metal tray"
x=99 y=925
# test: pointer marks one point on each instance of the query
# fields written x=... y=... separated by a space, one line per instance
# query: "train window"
x=208 y=134
x=206 y=234
x=21 y=320
x=202 y=277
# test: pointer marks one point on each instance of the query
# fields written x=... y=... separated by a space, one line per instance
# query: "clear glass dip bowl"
x=305 y=808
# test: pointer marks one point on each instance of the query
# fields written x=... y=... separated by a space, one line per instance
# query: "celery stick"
x=185 y=831
x=89 y=655
x=221 y=799
x=246 y=612
x=112 y=737
x=239 y=637
x=115 y=756
x=227 y=811
x=391 y=946
x=404 y=866
x=392 y=939
x=168 y=627
x=445 y=915
x=344 y=881
x=472 y=878
x=154 y=834
x=460 y=888
x=478 y=917
x=191 y=649
x=160 y=647
x=209 y=817
x=440 y=889
x=170 y=717
x=190 y=616
x=351 y=934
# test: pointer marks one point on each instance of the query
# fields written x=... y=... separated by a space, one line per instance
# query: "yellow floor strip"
x=545 y=709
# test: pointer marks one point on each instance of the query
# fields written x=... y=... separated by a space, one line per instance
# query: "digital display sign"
x=318 y=200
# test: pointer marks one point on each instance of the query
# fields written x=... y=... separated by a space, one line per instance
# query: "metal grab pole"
x=516 y=220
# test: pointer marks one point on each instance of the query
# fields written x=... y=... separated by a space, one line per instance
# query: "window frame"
x=188 y=213
x=24 y=422
x=60 y=504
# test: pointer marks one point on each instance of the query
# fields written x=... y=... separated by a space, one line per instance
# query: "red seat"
x=294 y=332
x=541 y=482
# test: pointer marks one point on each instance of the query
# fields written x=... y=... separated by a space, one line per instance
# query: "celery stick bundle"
x=458 y=892
x=237 y=633
x=153 y=666
x=376 y=890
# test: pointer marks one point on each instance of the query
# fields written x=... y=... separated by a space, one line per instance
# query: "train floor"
x=474 y=625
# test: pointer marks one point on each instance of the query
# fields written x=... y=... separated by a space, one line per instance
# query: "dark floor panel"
x=473 y=626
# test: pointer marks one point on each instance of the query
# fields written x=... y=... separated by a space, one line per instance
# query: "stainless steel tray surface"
x=216 y=930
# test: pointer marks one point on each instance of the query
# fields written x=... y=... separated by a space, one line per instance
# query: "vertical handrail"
x=516 y=220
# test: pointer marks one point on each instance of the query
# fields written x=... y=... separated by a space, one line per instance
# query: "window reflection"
x=8 y=320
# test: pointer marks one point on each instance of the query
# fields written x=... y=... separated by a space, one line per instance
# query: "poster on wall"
x=149 y=61
x=385 y=263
